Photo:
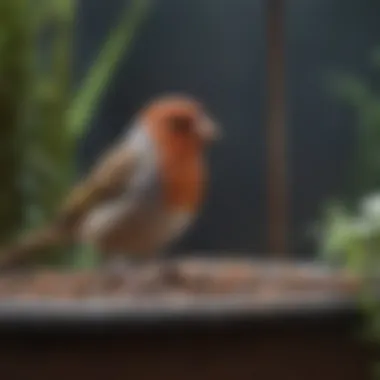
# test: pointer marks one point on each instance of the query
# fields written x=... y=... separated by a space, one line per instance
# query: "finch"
x=142 y=194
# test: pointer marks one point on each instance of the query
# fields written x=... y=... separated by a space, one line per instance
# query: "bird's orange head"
x=181 y=128
x=179 y=123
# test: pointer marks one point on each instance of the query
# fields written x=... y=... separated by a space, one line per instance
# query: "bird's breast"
x=183 y=184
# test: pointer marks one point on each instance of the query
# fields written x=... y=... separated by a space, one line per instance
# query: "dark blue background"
x=216 y=51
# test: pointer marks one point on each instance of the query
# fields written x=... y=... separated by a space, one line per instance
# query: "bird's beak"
x=209 y=130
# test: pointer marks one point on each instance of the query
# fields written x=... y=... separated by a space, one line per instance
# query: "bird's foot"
x=140 y=276
x=127 y=271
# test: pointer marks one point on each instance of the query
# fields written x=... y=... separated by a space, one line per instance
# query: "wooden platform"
x=310 y=331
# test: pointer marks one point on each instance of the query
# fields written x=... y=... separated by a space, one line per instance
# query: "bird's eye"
x=180 y=124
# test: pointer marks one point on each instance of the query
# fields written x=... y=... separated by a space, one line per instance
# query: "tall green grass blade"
x=117 y=44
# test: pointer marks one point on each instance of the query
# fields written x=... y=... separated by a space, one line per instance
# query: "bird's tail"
x=33 y=244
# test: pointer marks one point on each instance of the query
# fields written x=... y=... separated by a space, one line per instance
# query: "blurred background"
x=63 y=103
x=217 y=51
x=295 y=85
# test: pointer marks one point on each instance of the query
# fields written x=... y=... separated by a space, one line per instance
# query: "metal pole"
x=277 y=186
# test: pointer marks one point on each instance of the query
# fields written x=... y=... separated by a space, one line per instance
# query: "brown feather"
x=31 y=245
x=105 y=181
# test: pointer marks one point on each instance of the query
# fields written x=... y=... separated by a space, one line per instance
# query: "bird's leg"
x=116 y=265
x=122 y=265
x=131 y=270
x=125 y=268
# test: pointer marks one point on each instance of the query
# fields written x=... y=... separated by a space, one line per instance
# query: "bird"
x=143 y=192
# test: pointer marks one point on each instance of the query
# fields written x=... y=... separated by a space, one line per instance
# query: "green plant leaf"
x=118 y=42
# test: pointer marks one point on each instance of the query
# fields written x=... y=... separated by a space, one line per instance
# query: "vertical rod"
x=278 y=218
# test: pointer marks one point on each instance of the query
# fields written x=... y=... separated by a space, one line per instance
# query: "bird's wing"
x=108 y=179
